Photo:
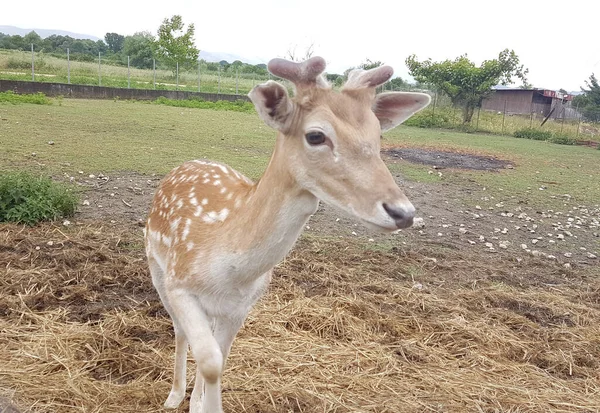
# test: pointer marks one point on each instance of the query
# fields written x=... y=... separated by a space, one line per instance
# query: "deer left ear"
x=393 y=108
x=273 y=104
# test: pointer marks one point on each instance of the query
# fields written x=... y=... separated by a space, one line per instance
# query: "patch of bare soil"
x=343 y=328
x=441 y=159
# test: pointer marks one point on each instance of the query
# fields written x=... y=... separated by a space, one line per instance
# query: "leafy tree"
x=32 y=38
x=397 y=83
x=589 y=102
x=466 y=84
x=139 y=48
x=370 y=64
x=174 y=44
x=114 y=41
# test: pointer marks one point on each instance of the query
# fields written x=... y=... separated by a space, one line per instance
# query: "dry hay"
x=342 y=329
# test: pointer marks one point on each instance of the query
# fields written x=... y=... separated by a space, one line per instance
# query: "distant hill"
x=12 y=30
x=229 y=57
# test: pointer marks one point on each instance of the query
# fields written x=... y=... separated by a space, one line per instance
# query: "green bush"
x=562 y=140
x=237 y=106
x=428 y=120
x=535 y=134
x=36 y=98
x=29 y=199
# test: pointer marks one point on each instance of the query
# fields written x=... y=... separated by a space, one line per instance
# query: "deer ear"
x=393 y=108
x=273 y=104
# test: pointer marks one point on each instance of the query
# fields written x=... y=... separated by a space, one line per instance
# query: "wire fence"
x=558 y=119
x=200 y=77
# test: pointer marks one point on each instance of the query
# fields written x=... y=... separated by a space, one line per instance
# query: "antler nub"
x=361 y=79
x=304 y=73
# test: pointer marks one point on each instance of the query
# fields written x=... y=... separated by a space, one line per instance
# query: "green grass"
x=16 y=65
x=15 y=99
x=97 y=136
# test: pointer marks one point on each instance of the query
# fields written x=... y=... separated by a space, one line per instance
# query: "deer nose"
x=402 y=215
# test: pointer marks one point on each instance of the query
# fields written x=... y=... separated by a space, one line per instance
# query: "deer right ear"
x=273 y=104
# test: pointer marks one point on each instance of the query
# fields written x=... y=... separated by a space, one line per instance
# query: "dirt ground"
x=434 y=318
x=570 y=236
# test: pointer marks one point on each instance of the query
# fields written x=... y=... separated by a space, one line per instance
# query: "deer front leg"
x=178 y=390
x=206 y=351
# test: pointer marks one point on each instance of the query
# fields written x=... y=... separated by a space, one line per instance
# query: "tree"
x=32 y=38
x=466 y=84
x=139 y=48
x=295 y=56
x=114 y=41
x=589 y=102
x=370 y=64
x=174 y=44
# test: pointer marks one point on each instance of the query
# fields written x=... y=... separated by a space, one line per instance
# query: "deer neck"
x=275 y=211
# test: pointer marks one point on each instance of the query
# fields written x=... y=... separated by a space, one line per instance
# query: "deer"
x=213 y=236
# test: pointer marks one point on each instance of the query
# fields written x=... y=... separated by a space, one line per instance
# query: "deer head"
x=330 y=140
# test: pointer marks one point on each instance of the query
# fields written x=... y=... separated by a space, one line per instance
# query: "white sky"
x=558 y=41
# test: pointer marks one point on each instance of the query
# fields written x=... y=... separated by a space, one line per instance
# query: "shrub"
x=29 y=199
x=562 y=140
x=428 y=120
x=535 y=134
x=36 y=98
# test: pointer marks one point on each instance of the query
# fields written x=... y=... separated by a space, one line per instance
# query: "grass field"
x=427 y=320
x=151 y=138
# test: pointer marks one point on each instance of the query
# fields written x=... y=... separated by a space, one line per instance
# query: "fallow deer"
x=213 y=236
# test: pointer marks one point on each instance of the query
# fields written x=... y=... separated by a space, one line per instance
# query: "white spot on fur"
x=237 y=203
x=186 y=229
x=179 y=204
x=223 y=168
x=216 y=176
x=175 y=224
x=189 y=246
x=194 y=201
x=166 y=240
x=204 y=201
x=198 y=211
x=223 y=190
x=229 y=196
x=206 y=181
x=217 y=183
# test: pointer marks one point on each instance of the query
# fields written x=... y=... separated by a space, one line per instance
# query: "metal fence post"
x=99 y=71
x=177 y=76
x=478 y=113
x=32 y=65
x=578 y=119
x=435 y=98
x=128 y=75
x=68 y=68
x=531 y=115
x=154 y=73
x=503 y=117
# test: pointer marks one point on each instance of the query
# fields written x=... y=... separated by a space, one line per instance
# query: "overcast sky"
x=558 y=41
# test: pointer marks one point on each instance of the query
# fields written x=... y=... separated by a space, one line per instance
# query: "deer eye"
x=315 y=138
